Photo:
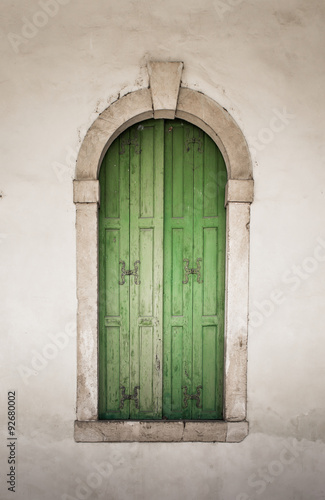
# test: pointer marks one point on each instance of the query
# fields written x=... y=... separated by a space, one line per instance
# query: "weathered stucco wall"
x=64 y=62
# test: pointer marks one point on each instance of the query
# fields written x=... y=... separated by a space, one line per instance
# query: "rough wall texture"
x=64 y=62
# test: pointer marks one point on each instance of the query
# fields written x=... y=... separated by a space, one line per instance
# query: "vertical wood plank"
x=177 y=271
x=176 y=370
x=146 y=396
x=208 y=297
x=112 y=272
x=221 y=263
x=146 y=257
x=102 y=334
x=146 y=242
x=135 y=214
x=209 y=349
x=113 y=298
x=146 y=165
x=112 y=349
x=178 y=245
x=210 y=273
x=210 y=179
x=177 y=185
x=111 y=164
x=158 y=267
x=124 y=290
x=168 y=282
x=198 y=252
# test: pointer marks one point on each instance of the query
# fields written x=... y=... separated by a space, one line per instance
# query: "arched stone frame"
x=164 y=99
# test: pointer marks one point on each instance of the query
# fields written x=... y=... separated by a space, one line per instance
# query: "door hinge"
x=130 y=272
x=189 y=271
x=133 y=396
x=130 y=142
x=194 y=140
x=196 y=396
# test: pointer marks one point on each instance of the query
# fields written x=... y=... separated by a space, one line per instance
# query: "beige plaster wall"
x=262 y=61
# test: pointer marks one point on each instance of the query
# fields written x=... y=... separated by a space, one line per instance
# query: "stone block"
x=165 y=80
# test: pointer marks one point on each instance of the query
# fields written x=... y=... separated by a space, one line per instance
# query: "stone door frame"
x=165 y=98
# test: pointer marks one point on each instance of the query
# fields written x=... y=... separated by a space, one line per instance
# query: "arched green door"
x=161 y=274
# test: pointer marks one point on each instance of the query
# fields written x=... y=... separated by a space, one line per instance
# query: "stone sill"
x=159 y=431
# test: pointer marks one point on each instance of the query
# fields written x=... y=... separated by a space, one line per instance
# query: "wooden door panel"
x=209 y=346
x=146 y=256
x=113 y=298
x=210 y=271
x=178 y=245
x=208 y=300
x=177 y=273
x=210 y=177
x=146 y=246
x=192 y=320
x=112 y=164
x=147 y=171
x=112 y=349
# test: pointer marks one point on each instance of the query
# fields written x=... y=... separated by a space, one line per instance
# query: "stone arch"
x=183 y=103
x=164 y=99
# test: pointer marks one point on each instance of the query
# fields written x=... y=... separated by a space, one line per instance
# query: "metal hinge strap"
x=196 y=396
x=130 y=142
x=130 y=272
x=125 y=397
x=194 y=140
x=189 y=271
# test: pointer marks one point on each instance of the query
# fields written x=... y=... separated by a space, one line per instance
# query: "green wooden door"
x=131 y=310
x=161 y=328
x=194 y=241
